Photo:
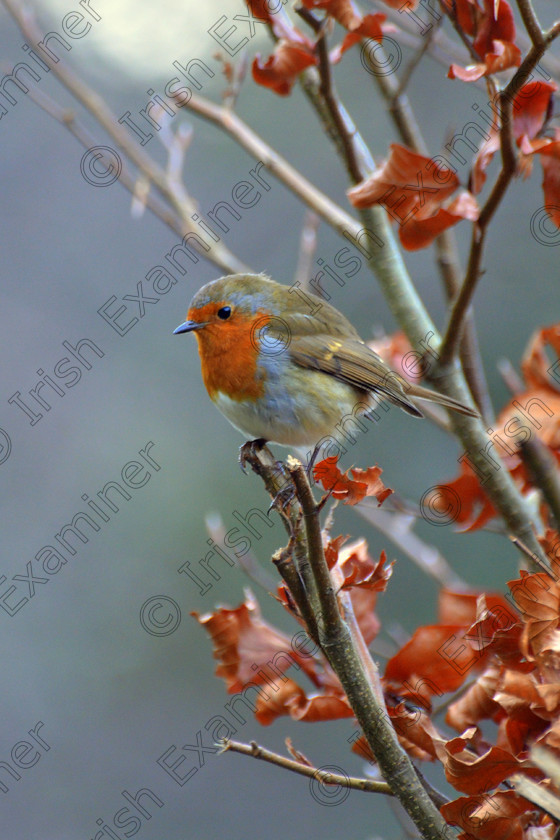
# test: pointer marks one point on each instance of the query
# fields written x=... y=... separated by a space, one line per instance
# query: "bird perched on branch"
x=287 y=367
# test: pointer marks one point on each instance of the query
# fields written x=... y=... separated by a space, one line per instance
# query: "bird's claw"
x=283 y=498
x=248 y=449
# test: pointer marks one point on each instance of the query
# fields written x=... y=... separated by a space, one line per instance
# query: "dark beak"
x=189 y=326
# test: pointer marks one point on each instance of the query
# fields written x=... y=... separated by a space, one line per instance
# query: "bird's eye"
x=224 y=313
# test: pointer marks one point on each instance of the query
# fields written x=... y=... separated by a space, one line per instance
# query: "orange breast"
x=228 y=354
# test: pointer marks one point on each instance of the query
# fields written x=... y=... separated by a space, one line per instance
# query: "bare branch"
x=531 y=21
x=446 y=247
x=256 y=751
x=307 y=248
x=543 y=472
x=398 y=527
x=509 y=166
x=233 y=125
x=183 y=205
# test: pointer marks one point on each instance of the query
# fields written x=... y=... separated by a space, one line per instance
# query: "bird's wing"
x=353 y=362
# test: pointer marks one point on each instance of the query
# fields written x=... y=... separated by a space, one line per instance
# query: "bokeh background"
x=112 y=696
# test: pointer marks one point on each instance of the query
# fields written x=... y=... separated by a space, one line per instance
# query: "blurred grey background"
x=112 y=696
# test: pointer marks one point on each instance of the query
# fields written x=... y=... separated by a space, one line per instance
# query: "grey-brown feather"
x=350 y=360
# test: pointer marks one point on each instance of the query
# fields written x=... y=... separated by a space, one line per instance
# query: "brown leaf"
x=292 y=700
x=407 y=180
x=363 y=603
x=249 y=650
x=416 y=732
x=531 y=107
x=537 y=597
x=436 y=657
x=359 y=569
x=550 y=162
x=369 y=27
x=504 y=55
x=332 y=550
x=465 y=497
x=272 y=705
x=477 y=703
x=495 y=817
x=420 y=232
x=472 y=773
x=535 y=364
x=350 y=490
x=281 y=69
x=412 y=189
x=466 y=608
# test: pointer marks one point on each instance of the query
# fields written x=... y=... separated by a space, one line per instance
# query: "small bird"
x=287 y=367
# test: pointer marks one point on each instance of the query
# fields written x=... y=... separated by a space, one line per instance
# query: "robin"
x=287 y=367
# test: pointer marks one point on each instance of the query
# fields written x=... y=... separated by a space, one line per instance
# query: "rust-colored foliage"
x=416 y=190
x=503 y=650
x=535 y=412
x=497 y=654
x=351 y=490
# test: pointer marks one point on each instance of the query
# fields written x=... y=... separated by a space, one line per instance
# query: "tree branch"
x=256 y=751
x=462 y=303
x=531 y=22
x=349 y=664
x=183 y=206
x=233 y=125
x=543 y=471
x=446 y=247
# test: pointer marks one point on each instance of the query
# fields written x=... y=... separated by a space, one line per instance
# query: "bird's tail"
x=421 y=393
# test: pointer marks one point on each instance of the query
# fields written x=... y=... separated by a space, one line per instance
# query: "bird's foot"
x=311 y=464
x=283 y=498
x=249 y=448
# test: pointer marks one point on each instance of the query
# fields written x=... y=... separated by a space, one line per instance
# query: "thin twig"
x=531 y=22
x=238 y=77
x=398 y=527
x=545 y=799
x=256 y=751
x=450 y=11
x=307 y=248
x=183 y=206
x=446 y=246
x=510 y=376
x=247 y=562
x=233 y=125
x=437 y=710
x=67 y=118
x=329 y=607
x=526 y=552
x=331 y=101
x=543 y=471
x=416 y=59
x=290 y=560
x=462 y=303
